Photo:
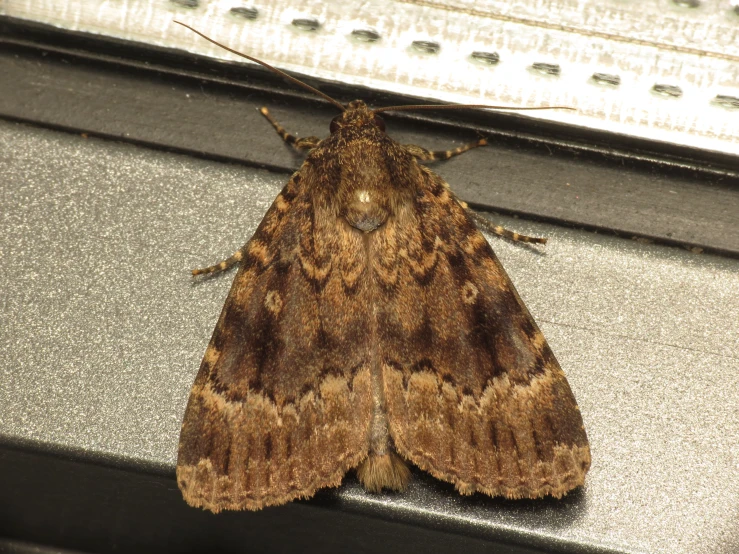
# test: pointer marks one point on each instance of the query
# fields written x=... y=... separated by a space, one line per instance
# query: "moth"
x=370 y=325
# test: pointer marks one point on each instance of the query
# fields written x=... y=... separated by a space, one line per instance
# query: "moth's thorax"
x=373 y=185
x=375 y=175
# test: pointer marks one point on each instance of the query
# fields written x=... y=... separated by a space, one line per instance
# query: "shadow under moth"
x=369 y=325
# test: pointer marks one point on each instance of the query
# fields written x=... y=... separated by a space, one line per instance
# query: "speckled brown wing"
x=278 y=410
x=473 y=393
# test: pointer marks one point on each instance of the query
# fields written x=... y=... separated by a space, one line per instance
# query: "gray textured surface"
x=102 y=331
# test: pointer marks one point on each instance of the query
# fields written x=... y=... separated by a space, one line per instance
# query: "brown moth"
x=370 y=325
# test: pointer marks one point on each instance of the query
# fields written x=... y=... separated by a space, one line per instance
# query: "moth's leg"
x=490 y=227
x=220 y=266
x=305 y=143
x=429 y=155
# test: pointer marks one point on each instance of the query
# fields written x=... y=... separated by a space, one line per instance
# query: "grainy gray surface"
x=102 y=331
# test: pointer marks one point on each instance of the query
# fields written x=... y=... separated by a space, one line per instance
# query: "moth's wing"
x=473 y=392
x=282 y=402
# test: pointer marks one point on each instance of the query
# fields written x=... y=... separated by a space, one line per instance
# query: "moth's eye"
x=334 y=124
x=380 y=123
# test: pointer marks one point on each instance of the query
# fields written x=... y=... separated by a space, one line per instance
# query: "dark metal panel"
x=97 y=508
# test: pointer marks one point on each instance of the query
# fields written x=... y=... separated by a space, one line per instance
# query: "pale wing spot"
x=388 y=275
x=259 y=250
x=469 y=293
x=538 y=341
x=273 y=302
x=280 y=203
x=420 y=267
x=474 y=242
x=350 y=275
x=211 y=355
x=216 y=401
x=315 y=272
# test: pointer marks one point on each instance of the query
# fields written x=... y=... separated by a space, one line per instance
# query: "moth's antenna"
x=457 y=106
x=263 y=64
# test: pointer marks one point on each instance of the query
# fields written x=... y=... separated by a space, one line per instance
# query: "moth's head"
x=357 y=115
